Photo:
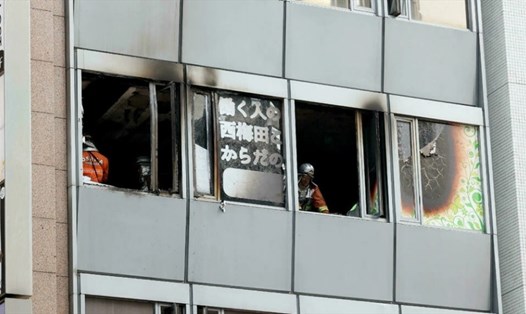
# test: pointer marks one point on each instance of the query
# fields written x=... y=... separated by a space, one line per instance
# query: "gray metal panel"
x=12 y=305
x=231 y=34
x=338 y=96
x=17 y=118
x=316 y=305
x=131 y=234
x=133 y=288
x=333 y=47
x=129 y=66
x=241 y=82
x=445 y=268
x=344 y=256
x=243 y=246
x=438 y=110
x=138 y=28
x=430 y=62
x=428 y=310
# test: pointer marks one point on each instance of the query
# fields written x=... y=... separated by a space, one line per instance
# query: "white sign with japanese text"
x=250 y=152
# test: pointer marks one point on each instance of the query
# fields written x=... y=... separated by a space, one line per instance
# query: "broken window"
x=445 y=161
x=451 y=13
x=238 y=149
x=346 y=149
x=134 y=124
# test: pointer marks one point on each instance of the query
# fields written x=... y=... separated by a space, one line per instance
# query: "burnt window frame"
x=417 y=170
x=213 y=94
x=176 y=121
x=363 y=179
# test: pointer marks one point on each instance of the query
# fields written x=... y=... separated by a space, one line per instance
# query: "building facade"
x=152 y=152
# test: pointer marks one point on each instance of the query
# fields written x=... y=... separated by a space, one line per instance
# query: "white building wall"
x=505 y=43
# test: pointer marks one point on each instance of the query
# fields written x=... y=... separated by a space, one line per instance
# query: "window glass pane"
x=405 y=164
x=332 y=3
x=173 y=309
x=115 y=306
x=397 y=7
x=208 y=310
x=373 y=143
x=168 y=148
x=326 y=139
x=363 y=3
x=250 y=149
x=444 y=12
x=451 y=179
x=203 y=148
x=227 y=311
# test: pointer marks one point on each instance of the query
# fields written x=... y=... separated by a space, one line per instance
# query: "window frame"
x=417 y=174
x=221 y=298
x=471 y=24
x=413 y=125
x=351 y=5
x=176 y=118
x=159 y=293
x=216 y=184
x=359 y=101
x=382 y=157
x=446 y=113
x=135 y=68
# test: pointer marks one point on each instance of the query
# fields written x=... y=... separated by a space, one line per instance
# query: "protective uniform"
x=310 y=197
x=94 y=164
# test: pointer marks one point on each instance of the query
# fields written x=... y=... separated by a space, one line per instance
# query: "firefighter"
x=310 y=196
x=95 y=165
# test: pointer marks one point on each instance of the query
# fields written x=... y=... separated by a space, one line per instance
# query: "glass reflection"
x=373 y=162
x=363 y=3
x=202 y=144
x=328 y=3
x=443 y=12
x=405 y=164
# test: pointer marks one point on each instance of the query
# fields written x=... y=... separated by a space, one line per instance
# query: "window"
x=95 y=305
x=213 y=310
x=100 y=305
x=134 y=125
x=439 y=174
x=171 y=309
x=367 y=5
x=444 y=12
x=347 y=149
x=238 y=150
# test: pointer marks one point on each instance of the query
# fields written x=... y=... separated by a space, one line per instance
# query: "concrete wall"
x=49 y=157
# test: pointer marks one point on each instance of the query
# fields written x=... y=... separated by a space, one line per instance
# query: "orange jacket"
x=314 y=200
x=95 y=166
